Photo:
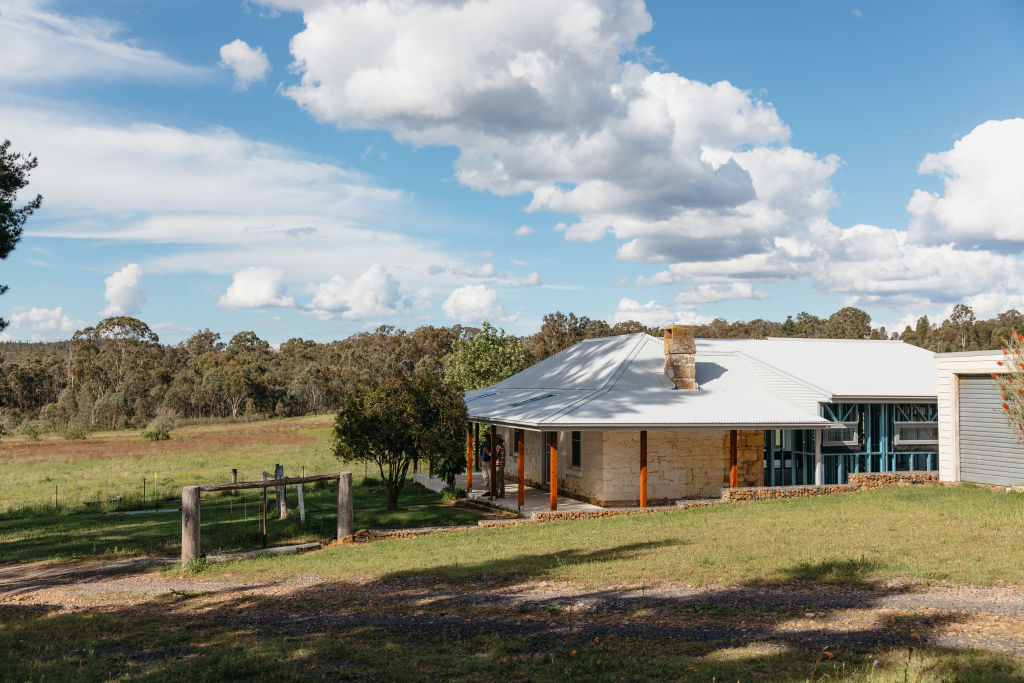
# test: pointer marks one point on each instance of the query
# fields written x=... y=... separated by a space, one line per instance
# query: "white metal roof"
x=844 y=368
x=619 y=383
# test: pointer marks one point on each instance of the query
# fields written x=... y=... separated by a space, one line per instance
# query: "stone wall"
x=875 y=480
x=680 y=464
x=857 y=482
x=771 y=492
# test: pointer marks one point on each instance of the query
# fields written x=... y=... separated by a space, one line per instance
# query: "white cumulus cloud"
x=982 y=203
x=374 y=293
x=249 y=64
x=541 y=97
x=256 y=288
x=654 y=313
x=473 y=304
x=524 y=230
x=42 y=324
x=124 y=292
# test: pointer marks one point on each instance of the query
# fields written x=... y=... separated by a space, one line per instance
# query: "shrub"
x=451 y=494
x=30 y=431
x=75 y=434
x=155 y=434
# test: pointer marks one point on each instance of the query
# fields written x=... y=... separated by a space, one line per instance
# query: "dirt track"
x=897 y=614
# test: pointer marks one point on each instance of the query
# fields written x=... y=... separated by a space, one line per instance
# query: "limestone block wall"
x=680 y=464
x=585 y=482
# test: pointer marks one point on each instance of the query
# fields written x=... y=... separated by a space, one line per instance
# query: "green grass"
x=962 y=534
x=170 y=646
x=104 y=474
x=228 y=523
x=111 y=465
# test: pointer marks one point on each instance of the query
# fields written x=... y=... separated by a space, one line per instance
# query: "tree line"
x=117 y=374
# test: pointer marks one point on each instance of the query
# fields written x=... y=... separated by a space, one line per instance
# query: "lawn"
x=218 y=646
x=111 y=465
x=104 y=474
x=958 y=534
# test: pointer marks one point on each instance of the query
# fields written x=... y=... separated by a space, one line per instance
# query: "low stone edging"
x=864 y=481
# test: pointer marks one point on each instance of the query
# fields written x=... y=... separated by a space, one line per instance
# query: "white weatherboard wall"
x=950 y=366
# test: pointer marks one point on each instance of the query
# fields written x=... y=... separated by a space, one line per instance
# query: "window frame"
x=897 y=441
x=576 y=450
x=827 y=441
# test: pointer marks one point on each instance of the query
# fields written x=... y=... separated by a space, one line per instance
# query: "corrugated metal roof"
x=843 y=367
x=618 y=382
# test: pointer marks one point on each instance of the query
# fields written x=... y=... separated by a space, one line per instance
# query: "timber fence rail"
x=191 y=512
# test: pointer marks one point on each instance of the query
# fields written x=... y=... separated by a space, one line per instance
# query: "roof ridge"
x=810 y=385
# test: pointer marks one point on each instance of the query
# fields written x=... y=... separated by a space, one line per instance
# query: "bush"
x=30 y=431
x=451 y=494
x=155 y=434
x=75 y=434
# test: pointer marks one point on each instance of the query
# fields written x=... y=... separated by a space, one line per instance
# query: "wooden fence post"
x=190 y=508
x=345 y=518
x=279 y=494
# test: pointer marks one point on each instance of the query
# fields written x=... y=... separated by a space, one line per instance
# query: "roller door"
x=989 y=452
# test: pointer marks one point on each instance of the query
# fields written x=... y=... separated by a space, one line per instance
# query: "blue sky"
x=308 y=168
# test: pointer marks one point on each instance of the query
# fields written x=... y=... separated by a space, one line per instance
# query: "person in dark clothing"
x=499 y=468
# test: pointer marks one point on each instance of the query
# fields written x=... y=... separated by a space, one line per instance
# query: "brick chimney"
x=680 y=351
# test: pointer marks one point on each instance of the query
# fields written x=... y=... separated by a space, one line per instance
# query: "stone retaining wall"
x=875 y=480
x=857 y=482
x=771 y=492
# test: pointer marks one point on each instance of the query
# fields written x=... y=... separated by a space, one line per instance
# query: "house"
x=638 y=420
x=975 y=441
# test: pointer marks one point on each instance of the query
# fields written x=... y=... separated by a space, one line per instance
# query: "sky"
x=314 y=168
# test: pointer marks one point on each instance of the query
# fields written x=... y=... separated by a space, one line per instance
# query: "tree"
x=480 y=359
x=962 y=319
x=1011 y=383
x=399 y=420
x=14 y=171
x=848 y=323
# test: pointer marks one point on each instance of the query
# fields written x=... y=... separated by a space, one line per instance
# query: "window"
x=576 y=449
x=841 y=436
x=516 y=435
x=913 y=433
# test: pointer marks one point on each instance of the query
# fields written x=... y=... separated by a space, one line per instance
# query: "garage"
x=989 y=451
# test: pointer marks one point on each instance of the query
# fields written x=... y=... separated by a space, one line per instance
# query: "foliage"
x=1011 y=383
x=117 y=375
x=30 y=431
x=155 y=434
x=75 y=434
x=14 y=171
x=399 y=420
x=451 y=493
x=483 y=357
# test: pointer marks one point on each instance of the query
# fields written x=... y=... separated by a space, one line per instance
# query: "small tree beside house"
x=402 y=419
x=1011 y=383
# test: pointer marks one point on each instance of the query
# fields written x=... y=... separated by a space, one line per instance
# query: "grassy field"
x=960 y=534
x=130 y=645
x=108 y=465
x=104 y=474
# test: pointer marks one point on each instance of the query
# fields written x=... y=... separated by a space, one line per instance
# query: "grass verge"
x=962 y=534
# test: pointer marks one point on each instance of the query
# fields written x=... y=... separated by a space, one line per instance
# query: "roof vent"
x=680 y=352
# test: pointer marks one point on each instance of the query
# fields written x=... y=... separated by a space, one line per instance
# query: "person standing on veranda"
x=499 y=468
x=484 y=457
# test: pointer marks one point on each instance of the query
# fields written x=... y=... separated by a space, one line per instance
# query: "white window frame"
x=854 y=425
x=897 y=441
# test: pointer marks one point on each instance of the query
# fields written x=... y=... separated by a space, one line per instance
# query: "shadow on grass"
x=380 y=631
x=508 y=571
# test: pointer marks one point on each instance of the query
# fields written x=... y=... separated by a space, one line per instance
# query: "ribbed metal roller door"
x=989 y=452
